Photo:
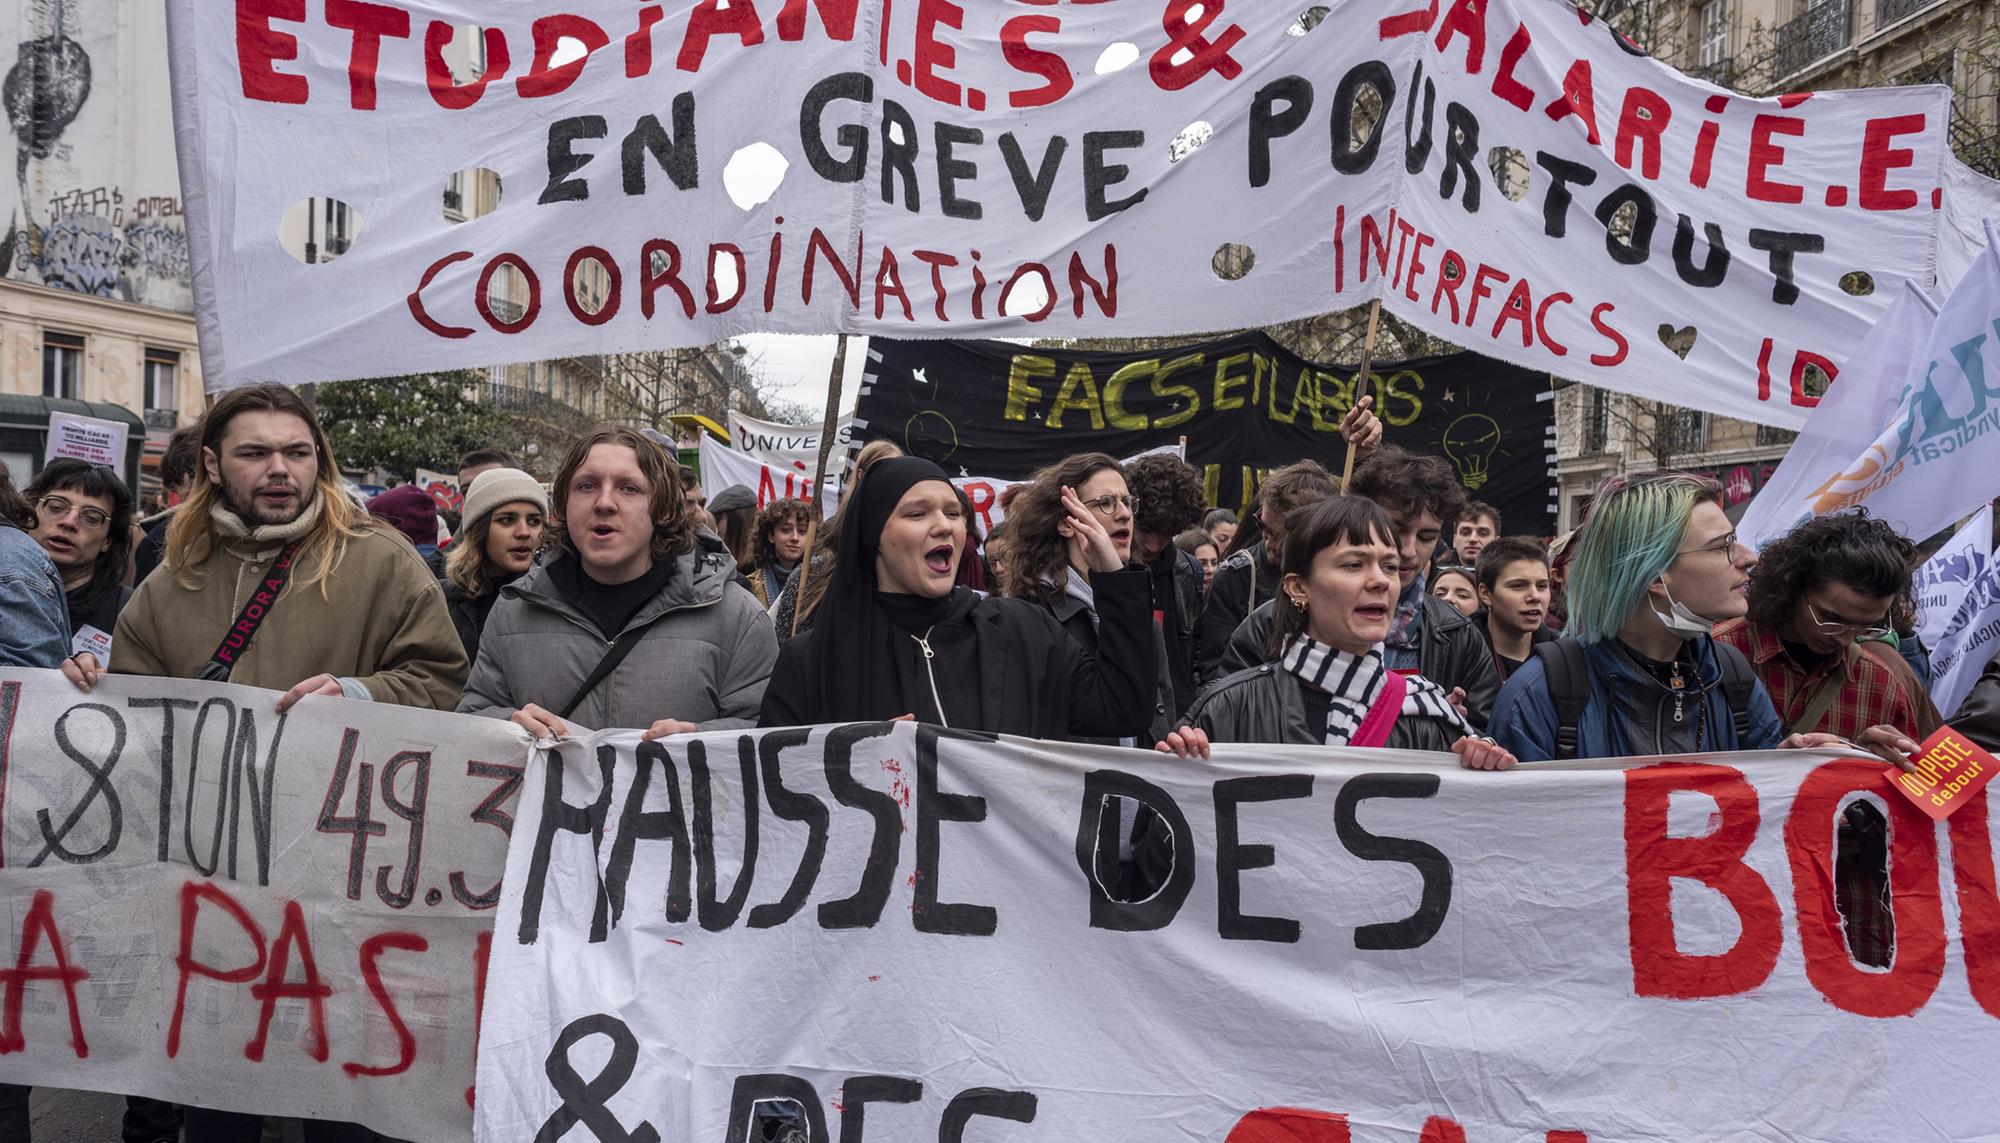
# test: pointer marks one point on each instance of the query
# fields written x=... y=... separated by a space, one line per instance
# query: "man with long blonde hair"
x=274 y=578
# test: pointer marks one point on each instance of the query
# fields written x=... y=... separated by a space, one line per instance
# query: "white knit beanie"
x=497 y=486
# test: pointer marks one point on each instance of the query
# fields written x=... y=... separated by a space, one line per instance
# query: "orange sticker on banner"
x=1951 y=768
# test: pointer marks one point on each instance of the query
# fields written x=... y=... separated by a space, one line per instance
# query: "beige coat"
x=380 y=621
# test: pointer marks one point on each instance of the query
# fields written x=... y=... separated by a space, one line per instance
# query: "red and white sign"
x=1507 y=174
x=210 y=903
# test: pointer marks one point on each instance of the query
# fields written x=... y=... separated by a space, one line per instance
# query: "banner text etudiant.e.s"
x=901 y=929
x=219 y=906
x=1509 y=175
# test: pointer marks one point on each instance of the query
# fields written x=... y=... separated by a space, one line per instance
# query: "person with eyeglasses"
x=1819 y=607
x=1050 y=562
x=1654 y=567
x=83 y=520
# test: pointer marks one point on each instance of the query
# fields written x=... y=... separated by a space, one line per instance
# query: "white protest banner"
x=1968 y=640
x=1971 y=200
x=1941 y=585
x=1856 y=405
x=908 y=923
x=782 y=445
x=213 y=904
x=723 y=466
x=1508 y=174
x=88 y=439
x=1928 y=467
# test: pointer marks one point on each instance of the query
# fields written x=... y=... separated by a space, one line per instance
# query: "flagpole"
x=829 y=426
x=1360 y=379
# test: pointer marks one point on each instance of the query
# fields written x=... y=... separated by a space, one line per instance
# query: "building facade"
x=96 y=301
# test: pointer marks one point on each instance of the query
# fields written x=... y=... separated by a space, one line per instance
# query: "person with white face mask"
x=1656 y=566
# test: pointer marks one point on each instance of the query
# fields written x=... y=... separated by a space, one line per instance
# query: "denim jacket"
x=34 y=619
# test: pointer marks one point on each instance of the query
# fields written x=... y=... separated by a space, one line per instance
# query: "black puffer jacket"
x=1268 y=704
x=1453 y=654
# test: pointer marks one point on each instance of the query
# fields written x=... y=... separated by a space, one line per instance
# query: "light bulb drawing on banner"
x=1470 y=442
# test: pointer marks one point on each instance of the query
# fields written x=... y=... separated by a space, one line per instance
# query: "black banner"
x=1245 y=404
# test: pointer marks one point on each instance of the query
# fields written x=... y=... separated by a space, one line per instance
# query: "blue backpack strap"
x=1568 y=675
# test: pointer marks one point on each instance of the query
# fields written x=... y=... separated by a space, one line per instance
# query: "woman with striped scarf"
x=1326 y=681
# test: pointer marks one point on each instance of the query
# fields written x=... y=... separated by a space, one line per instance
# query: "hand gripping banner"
x=894 y=932
x=1507 y=174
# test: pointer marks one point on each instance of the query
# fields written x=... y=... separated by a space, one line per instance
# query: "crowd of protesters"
x=1112 y=604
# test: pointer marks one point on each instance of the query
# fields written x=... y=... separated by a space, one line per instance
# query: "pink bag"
x=1374 y=729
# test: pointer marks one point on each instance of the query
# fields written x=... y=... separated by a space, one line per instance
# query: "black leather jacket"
x=1453 y=654
x=1267 y=704
x=1185 y=575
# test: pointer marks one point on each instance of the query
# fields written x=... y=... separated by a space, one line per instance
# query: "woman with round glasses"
x=1049 y=557
x=83 y=520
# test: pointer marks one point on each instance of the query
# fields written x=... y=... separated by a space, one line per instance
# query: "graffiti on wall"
x=83 y=216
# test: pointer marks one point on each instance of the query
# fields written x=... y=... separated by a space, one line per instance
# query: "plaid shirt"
x=1871 y=696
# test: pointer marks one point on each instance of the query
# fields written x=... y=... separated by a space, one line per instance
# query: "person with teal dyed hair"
x=1656 y=564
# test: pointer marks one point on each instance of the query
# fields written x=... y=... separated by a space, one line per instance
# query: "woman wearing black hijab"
x=894 y=637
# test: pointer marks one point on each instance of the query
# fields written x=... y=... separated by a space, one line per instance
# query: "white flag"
x=1967 y=642
x=786 y=446
x=1933 y=462
x=1942 y=584
x=1855 y=407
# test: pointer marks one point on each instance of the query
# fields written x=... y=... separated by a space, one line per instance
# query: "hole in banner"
x=1859 y=283
x=1368 y=111
x=316 y=230
x=471 y=193
x=1189 y=140
x=753 y=175
x=590 y=286
x=1307 y=21
x=1233 y=261
x=1680 y=341
x=1117 y=57
x=1814 y=380
x=508 y=298
x=569 y=49
x=1510 y=172
x=1861 y=884
x=778 y=1121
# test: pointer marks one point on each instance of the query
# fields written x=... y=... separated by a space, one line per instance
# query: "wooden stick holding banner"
x=1360 y=379
x=829 y=428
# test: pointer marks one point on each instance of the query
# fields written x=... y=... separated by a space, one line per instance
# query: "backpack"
x=1568 y=675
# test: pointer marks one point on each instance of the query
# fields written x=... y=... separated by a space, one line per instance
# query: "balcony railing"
x=1815 y=34
x=1888 y=12
x=1768 y=436
x=1721 y=73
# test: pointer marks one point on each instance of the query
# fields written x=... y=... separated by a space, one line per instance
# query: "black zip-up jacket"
x=1033 y=679
x=1177 y=597
x=1453 y=653
x=1229 y=601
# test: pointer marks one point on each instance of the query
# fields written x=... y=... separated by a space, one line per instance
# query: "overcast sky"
x=800 y=363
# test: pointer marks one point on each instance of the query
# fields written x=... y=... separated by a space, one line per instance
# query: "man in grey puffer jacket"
x=632 y=568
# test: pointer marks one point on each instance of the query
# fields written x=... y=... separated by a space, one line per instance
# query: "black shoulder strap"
x=613 y=655
x=1568 y=674
x=1738 y=682
x=236 y=640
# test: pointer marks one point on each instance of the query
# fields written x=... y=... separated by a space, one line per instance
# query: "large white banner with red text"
x=1507 y=174
x=896 y=930
x=211 y=903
